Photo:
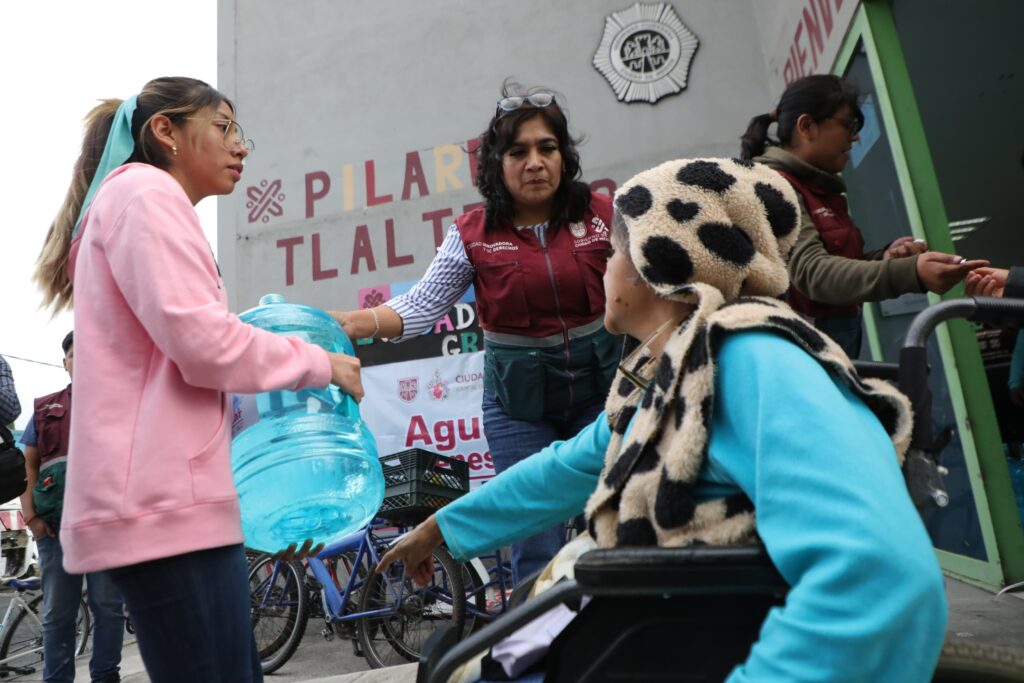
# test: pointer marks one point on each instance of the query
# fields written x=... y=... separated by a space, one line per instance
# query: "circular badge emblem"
x=578 y=230
x=645 y=53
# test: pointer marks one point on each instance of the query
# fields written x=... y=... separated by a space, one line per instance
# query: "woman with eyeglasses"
x=535 y=254
x=150 y=496
x=818 y=119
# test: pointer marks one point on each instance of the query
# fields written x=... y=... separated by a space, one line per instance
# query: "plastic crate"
x=417 y=483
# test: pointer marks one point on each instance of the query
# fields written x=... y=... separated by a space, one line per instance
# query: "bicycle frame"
x=17 y=602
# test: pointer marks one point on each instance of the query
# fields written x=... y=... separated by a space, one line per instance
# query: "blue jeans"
x=61 y=595
x=191 y=616
x=513 y=440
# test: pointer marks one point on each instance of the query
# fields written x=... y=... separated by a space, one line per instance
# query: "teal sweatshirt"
x=866 y=602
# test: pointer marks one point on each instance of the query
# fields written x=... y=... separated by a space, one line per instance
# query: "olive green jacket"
x=835 y=279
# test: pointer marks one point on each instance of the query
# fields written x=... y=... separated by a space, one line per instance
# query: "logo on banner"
x=408 y=389
x=264 y=201
x=437 y=388
x=578 y=229
x=645 y=52
x=369 y=297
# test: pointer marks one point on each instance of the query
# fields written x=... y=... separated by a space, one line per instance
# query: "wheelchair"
x=651 y=608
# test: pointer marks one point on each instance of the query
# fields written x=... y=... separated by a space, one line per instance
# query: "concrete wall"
x=325 y=87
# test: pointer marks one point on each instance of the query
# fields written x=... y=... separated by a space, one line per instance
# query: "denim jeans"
x=191 y=616
x=513 y=440
x=61 y=595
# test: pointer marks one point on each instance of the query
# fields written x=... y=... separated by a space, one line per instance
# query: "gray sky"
x=59 y=58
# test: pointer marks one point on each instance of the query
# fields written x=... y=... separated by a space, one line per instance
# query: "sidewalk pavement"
x=975 y=615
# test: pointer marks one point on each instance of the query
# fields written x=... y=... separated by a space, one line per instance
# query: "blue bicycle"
x=386 y=616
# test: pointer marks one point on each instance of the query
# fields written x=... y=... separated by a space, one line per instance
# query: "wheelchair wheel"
x=973 y=663
x=279 y=608
x=410 y=614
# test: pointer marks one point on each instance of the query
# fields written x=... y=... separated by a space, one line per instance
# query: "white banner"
x=433 y=404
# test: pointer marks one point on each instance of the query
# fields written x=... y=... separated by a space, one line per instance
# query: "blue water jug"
x=305 y=464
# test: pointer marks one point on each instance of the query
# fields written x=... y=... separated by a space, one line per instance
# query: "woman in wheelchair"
x=733 y=421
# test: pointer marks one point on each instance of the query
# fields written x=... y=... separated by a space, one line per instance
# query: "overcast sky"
x=59 y=58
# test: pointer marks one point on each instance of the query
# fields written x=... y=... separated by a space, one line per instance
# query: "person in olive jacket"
x=818 y=120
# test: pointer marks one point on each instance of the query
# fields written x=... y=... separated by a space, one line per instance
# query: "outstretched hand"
x=415 y=552
x=904 y=246
x=986 y=282
x=939 y=272
x=307 y=550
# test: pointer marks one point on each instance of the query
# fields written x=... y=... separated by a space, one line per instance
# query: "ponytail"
x=51 y=273
x=754 y=141
x=819 y=96
x=177 y=98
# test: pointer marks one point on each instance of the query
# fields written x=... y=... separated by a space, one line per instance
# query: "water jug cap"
x=272 y=299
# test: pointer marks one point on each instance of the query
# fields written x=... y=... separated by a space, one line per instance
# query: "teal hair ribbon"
x=119 y=148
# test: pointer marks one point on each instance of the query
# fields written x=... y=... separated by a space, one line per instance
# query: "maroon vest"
x=53 y=424
x=841 y=237
x=525 y=290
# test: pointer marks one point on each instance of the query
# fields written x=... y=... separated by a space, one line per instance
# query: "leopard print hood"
x=713 y=233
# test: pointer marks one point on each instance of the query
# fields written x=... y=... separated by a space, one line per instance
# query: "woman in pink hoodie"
x=149 y=490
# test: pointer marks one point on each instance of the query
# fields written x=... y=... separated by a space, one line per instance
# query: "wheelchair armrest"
x=869 y=368
x=719 y=569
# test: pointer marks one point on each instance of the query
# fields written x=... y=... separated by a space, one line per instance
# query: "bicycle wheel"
x=974 y=663
x=22 y=648
x=279 y=609
x=413 y=613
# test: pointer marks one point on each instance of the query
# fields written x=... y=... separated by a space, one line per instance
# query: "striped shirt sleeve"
x=449 y=276
x=10 y=406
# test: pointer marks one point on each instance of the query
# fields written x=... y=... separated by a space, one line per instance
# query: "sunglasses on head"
x=540 y=100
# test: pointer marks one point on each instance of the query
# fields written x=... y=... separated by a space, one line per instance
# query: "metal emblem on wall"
x=645 y=52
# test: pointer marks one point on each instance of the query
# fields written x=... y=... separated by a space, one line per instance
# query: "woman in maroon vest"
x=818 y=120
x=535 y=253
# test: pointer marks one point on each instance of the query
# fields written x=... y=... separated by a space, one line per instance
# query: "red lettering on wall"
x=437 y=217
x=313 y=195
x=474 y=429
x=417 y=432
x=471 y=147
x=318 y=272
x=362 y=250
x=394 y=260
x=606 y=184
x=371 y=187
x=414 y=174
x=801 y=54
x=289 y=244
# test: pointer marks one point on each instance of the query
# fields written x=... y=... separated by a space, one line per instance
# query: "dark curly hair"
x=572 y=197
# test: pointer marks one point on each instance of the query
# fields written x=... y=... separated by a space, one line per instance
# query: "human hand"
x=39 y=528
x=415 y=552
x=904 y=246
x=939 y=272
x=307 y=550
x=986 y=282
x=346 y=374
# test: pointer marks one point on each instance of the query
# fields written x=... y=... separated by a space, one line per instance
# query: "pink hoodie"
x=149 y=472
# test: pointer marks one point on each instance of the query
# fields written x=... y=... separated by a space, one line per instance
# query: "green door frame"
x=874 y=27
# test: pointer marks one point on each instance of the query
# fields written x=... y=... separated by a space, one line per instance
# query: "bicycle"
x=21 y=650
x=389 y=624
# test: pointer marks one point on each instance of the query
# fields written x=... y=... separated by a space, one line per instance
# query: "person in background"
x=10 y=406
x=996 y=282
x=150 y=497
x=818 y=119
x=535 y=254
x=46 y=454
x=734 y=422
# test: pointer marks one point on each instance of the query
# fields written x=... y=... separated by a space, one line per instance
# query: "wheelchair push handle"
x=984 y=309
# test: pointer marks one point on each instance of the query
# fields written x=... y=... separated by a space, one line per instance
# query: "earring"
x=174 y=150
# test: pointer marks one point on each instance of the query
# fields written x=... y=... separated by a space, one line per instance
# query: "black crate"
x=417 y=483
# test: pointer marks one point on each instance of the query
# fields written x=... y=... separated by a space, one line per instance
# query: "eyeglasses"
x=540 y=100
x=852 y=124
x=233 y=134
